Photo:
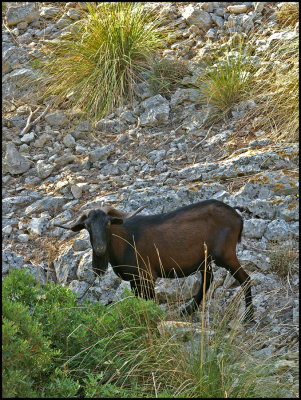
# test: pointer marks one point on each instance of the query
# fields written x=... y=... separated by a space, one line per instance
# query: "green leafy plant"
x=26 y=352
x=54 y=347
x=97 y=63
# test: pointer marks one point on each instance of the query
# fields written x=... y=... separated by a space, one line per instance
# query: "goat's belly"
x=179 y=271
x=173 y=264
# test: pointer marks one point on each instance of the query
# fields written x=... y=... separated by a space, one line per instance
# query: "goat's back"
x=175 y=240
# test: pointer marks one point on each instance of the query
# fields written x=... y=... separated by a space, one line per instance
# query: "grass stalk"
x=203 y=313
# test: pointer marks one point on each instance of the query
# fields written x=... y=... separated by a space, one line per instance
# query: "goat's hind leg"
x=232 y=264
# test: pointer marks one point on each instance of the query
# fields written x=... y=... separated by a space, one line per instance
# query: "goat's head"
x=98 y=224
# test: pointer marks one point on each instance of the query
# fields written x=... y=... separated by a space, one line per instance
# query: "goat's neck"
x=118 y=241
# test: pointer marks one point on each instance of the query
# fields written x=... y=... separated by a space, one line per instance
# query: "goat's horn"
x=61 y=226
x=135 y=212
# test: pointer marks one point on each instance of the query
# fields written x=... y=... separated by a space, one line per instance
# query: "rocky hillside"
x=157 y=152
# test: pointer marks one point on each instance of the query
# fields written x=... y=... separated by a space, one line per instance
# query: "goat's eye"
x=108 y=224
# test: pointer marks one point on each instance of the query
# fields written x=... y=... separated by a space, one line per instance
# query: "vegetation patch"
x=283 y=260
x=166 y=75
x=227 y=76
x=95 y=64
x=276 y=89
x=54 y=347
x=288 y=14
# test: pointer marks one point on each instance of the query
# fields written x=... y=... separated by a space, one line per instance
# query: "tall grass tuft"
x=276 y=89
x=97 y=62
x=288 y=14
x=227 y=77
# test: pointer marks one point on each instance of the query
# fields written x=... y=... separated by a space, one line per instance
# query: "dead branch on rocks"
x=30 y=124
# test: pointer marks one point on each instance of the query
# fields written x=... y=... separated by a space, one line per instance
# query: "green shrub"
x=53 y=347
x=82 y=340
x=61 y=385
x=21 y=287
x=96 y=64
x=94 y=389
x=26 y=353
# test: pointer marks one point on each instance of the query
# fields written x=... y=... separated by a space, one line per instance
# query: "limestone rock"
x=22 y=13
x=14 y=162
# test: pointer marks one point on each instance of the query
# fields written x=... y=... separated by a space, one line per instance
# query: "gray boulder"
x=66 y=265
x=27 y=12
x=277 y=230
x=111 y=126
x=20 y=83
x=15 y=163
x=102 y=153
x=56 y=119
x=156 y=111
x=178 y=290
x=196 y=16
x=44 y=169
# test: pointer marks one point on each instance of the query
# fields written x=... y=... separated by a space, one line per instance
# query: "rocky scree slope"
x=156 y=152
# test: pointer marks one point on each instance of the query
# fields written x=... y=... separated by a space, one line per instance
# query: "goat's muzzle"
x=100 y=250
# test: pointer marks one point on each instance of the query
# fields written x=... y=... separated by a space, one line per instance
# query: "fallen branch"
x=194 y=147
x=26 y=129
x=30 y=124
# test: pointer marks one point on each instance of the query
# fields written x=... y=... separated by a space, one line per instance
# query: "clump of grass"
x=166 y=75
x=288 y=14
x=283 y=259
x=276 y=89
x=97 y=62
x=228 y=76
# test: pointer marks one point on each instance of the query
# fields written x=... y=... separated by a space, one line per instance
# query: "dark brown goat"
x=142 y=248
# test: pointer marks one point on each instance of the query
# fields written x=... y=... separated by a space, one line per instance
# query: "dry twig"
x=30 y=124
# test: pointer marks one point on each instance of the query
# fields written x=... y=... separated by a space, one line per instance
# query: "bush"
x=26 y=352
x=96 y=64
x=50 y=344
x=283 y=259
x=53 y=347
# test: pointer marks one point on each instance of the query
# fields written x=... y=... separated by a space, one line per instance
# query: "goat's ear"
x=116 y=221
x=79 y=224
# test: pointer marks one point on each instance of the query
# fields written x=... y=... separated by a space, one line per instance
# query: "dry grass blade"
x=288 y=14
x=276 y=89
